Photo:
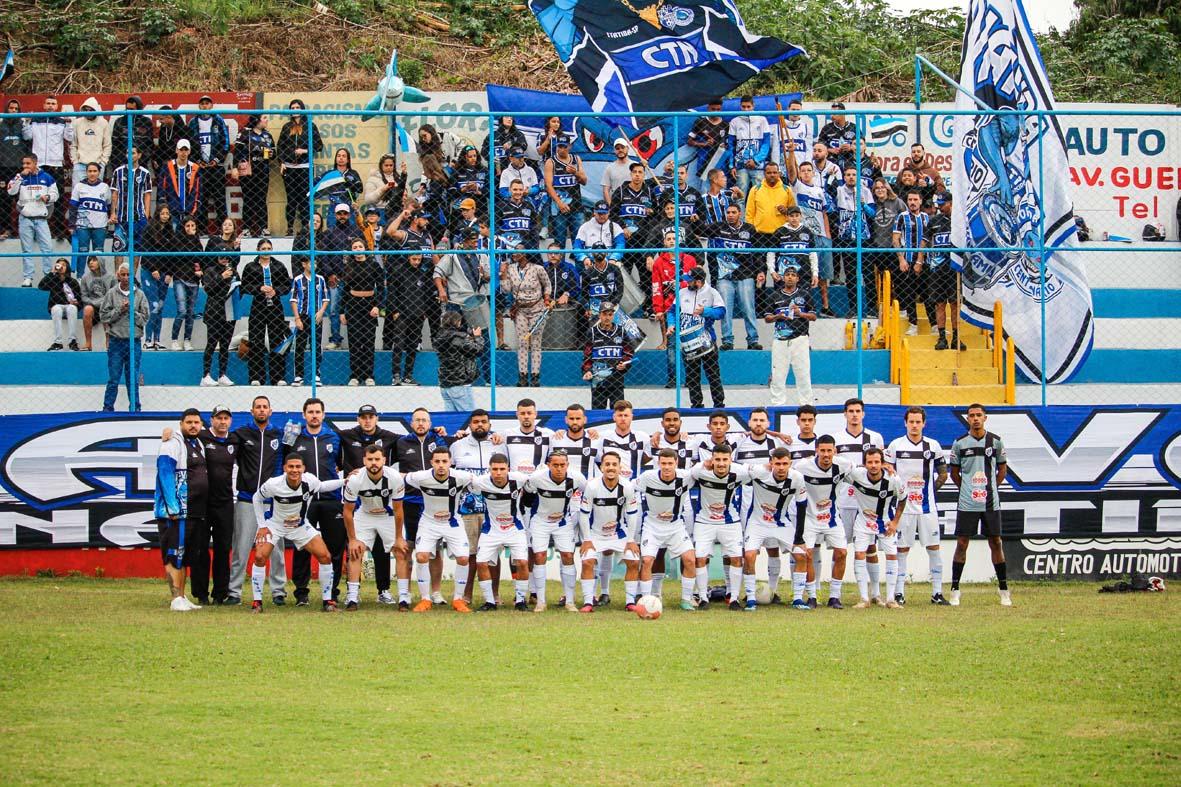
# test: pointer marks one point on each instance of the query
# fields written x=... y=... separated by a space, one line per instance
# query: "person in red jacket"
x=664 y=289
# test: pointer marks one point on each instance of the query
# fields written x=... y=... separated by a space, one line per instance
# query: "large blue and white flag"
x=1010 y=179
x=655 y=55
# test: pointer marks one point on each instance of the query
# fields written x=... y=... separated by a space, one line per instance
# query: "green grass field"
x=100 y=683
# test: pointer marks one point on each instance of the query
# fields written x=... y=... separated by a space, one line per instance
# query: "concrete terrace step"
x=956 y=394
x=964 y=376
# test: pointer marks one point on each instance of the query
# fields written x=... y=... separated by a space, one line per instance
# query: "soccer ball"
x=649 y=607
x=763 y=594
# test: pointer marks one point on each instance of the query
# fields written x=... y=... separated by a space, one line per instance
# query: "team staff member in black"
x=364 y=290
x=320 y=448
x=353 y=443
x=412 y=452
x=196 y=531
x=220 y=457
x=606 y=359
x=269 y=283
x=256 y=452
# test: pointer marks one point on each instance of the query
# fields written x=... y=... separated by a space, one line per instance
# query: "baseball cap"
x=606 y=306
x=562 y=141
x=602 y=207
x=943 y=198
x=516 y=150
x=218 y=409
x=165 y=106
x=619 y=143
x=372 y=211
x=597 y=246
x=838 y=105
x=205 y=98
x=468 y=204
x=366 y=409
x=464 y=234
x=342 y=208
x=183 y=143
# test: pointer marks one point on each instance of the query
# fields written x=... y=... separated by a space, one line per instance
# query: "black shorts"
x=970 y=523
x=172 y=548
x=941 y=284
x=411 y=513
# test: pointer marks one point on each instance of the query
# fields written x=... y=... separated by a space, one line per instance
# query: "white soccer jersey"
x=374 y=498
x=851 y=453
x=705 y=448
x=686 y=451
x=799 y=136
x=609 y=514
x=875 y=499
x=527 y=451
x=773 y=501
x=583 y=452
x=664 y=503
x=554 y=497
x=802 y=448
x=275 y=501
x=752 y=452
x=820 y=487
x=441 y=499
x=720 y=498
x=917 y=465
x=502 y=504
x=814 y=203
x=630 y=448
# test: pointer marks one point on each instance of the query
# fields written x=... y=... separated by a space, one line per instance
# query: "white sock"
x=538 y=577
x=588 y=591
x=326 y=581
x=353 y=592
x=606 y=566
x=521 y=588
x=798 y=580
x=646 y=586
x=891 y=579
x=862 y=575
x=735 y=574
x=749 y=584
x=900 y=579
x=936 y=558
x=703 y=582
x=422 y=576
x=630 y=586
x=774 y=566
x=687 y=585
x=404 y=590
x=461 y=573
x=817 y=570
x=657 y=588
x=486 y=590
x=568 y=576
x=834 y=588
x=875 y=578
x=258 y=575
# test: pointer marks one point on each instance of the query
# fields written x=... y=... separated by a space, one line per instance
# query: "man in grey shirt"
x=114 y=313
x=461 y=278
x=617 y=172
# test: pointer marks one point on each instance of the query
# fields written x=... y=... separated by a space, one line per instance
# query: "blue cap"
x=602 y=207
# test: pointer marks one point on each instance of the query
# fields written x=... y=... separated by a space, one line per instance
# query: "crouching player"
x=666 y=507
x=281 y=509
x=820 y=525
x=373 y=507
x=609 y=519
x=442 y=491
x=877 y=493
x=774 y=492
x=503 y=528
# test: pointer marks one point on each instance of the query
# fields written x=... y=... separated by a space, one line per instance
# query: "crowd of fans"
x=753 y=184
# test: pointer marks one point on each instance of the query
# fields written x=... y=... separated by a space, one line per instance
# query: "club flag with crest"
x=655 y=55
x=1010 y=180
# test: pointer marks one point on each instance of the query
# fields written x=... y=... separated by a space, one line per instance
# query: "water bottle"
x=290 y=433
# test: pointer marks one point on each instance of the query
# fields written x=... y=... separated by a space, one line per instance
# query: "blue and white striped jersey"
x=720 y=498
x=609 y=513
x=374 y=497
x=502 y=504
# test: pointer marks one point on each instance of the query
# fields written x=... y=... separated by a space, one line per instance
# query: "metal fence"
x=388 y=248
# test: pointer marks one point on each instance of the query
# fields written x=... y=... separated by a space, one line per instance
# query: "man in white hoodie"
x=36 y=192
x=92 y=141
x=48 y=137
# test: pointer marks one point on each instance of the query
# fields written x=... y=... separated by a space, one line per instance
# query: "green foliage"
x=484 y=22
x=82 y=37
x=1125 y=59
x=159 y=19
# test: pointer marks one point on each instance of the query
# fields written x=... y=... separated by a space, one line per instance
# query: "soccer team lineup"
x=592 y=496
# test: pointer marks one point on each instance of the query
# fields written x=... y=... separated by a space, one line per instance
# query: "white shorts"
x=927 y=526
x=759 y=535
x=542 y=533
x=848 y=517
x=657 y=536
x=491 y=544
x=431 y=533
x=618 y=546
x=367 y=527
x=300 y=536
x=865 y=535
x=818 y=533
x=706 y=534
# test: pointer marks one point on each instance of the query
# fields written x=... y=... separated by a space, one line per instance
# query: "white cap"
x=183 y=143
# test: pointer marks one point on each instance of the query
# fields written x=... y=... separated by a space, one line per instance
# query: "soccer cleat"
x=201 y=602
x=900 y=599
x=752 y=605
x=521 y=606
x=301 y=602
x=538 y=607
x=403 y=606
x=877 y=601
x=459 y=605
x=604 y=600
x=328 y=606
x=812 y=603
x=688 y=606
x=587 y=608
x=734 y=606
x=570 y=606
x=256 y=607
x=938 y=600
x=955 y=599
x=893 y=605
x=1006 y=599
x=179 y=604
x=351 y=606
x=438 y=600
x=630 y=606
x=487 y=606
x=775 y=599
x=408 y=380
x=423 y=605
x=702 y=603
x=862 y=604
x=55 y=346
x=801 y=605
x=385 y=597
x=280 y=601
x=231 y=601
x=835 y=603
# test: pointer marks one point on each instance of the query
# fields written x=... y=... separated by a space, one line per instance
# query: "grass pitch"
x=100 y=683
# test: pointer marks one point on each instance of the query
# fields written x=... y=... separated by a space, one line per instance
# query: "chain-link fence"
x=686 y=270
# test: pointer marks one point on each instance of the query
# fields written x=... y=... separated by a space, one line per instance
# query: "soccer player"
x=503 y=528
x=290 y=496
x=353 y=443
x=555 y=487
x=442 y=488
x=413 y=453
x=472 y=453
x=582 y=445
x=978 y=467
x=718 y=519
x=372 y=510
x=630 y=446
x=172 y=495
x=802 y=447
x=527 y=444
x=719 y=426
x=754 y=450
x=610 y=524
x=851 y=448
x=819 y=526
x=666 y=507
x=918 y=461
x=670 y=437
x=877 y=493
x=775 y=491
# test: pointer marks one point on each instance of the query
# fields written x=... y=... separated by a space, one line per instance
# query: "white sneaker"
x=437 y=598
x=191 y=604
x=955 y=598
x=208 y=382
x=913 y=330
x=934 y=329
x=280 y=382
x=175 y=344
x=223 y=380
x=318 y=379
x=180 y=604
x=27 y=283
x=255 y=383
x=1006 y=599
x=297 y=381
x=370 y=381
x=385 y=597
x=571 y=606
x=331 y=346
x=188 y=345
x=353 y=383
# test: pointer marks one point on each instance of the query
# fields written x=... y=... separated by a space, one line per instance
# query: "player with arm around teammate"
x=775 y=488
x=289 y=496
x=918 y=461
x=877 y=493
x=820 y=524
x=372 y=509
x=609 y=520
x=718 y=519
x=666 y=506
x=503 y=528
x=442 y=491
x=978 y=468
x=555 y=490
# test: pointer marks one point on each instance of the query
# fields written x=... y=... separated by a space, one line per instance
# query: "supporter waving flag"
x=654 y=55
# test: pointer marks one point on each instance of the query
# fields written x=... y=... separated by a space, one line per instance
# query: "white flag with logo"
x=1009 y=170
